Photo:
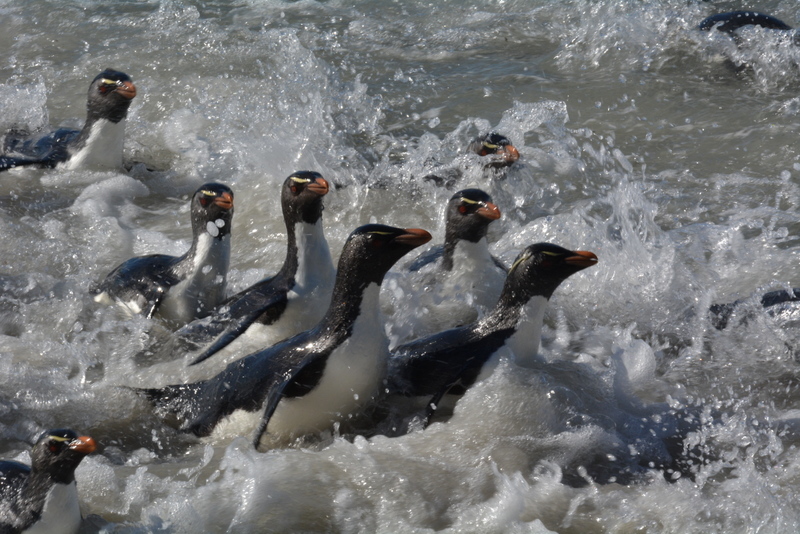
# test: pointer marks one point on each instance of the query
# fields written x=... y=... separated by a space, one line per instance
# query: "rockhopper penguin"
x=179 y=289
x=317 y=378
x=292 y=300
x=42 y=498
x=451 y=361
x=461 y=278
x=98 y=145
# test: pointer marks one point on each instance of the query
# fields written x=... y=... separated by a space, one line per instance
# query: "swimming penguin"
x=98 y=145
x=180 y=288
x=292 y=300
x=495 y=148
x=42 y=497
x=783 y=305
x=732 y=21
x=461 y=277
x=319 y=377
x=496 y=152
x=451 y=361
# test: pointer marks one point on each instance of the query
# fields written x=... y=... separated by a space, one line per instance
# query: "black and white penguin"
x=293 y=300
x=783 y=305
x=461 y=277
x=98 y=145
x=42 y=497
x=467 y=219
x=451 y=361
x=496 y=152
x=317 y=378
x=495 y=148
x=732 y=21
x=179 y=289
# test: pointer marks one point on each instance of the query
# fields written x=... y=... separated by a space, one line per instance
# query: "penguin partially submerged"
x=42 y=497
x=495 y=148
x=317 y=378
x=292 y=300
x=179 y=289
x=732 y=21
x=449 y=362
x=98 y=145
x=783 y=305
x=496 y=152
x=460 y=278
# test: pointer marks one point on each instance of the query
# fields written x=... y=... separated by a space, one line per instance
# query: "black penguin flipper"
x=426 y=258
x=732 y=21
x=291 y=382
x=10 y=162
x=779 y=297
x=433 y=404
x=500 y=264
x=13 y=477
x=245 y=384
x=428 y=365
x=263 y=302
x=43 y=151
x=12 y=474
x=142 y=282
x=780 y=304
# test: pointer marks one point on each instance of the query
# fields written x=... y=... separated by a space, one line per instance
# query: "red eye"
x=204 y=201
x=294 y=189
x=462 y=209
x=53 y=447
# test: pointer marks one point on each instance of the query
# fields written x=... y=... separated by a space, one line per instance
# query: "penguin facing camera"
x=495 y=150
x=179 y=289
x=98 y=145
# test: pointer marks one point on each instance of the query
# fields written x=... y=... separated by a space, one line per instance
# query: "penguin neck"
x=351 y=300
x=38 y=485
x=207 y=250
x=98 y=145
x=524 y=321
x=203 y=271
x=56 y=505
x=308 y=257
x=465 y=252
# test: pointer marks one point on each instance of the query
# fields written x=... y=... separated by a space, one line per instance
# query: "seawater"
x=641 y=141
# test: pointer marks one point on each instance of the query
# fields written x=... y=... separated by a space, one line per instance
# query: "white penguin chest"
x=310 y=297
x=352 y=376
x=475 y=272
x=103 y=148
x=204 y=287
x=524 y=343
x=61 y=513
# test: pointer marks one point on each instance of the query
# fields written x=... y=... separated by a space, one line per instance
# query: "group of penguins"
x=331 y=360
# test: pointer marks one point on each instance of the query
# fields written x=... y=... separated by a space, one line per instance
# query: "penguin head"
x=497 y=148
x=212 y=209
x=540 y=268
x=58 y=452
x=110 y=96
x=301 y=197
x=371 y=250
x=469 y=213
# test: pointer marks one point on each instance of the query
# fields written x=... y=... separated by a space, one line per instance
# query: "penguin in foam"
x=307 y=383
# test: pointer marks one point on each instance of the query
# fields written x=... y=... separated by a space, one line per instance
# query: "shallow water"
x=639 y=141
